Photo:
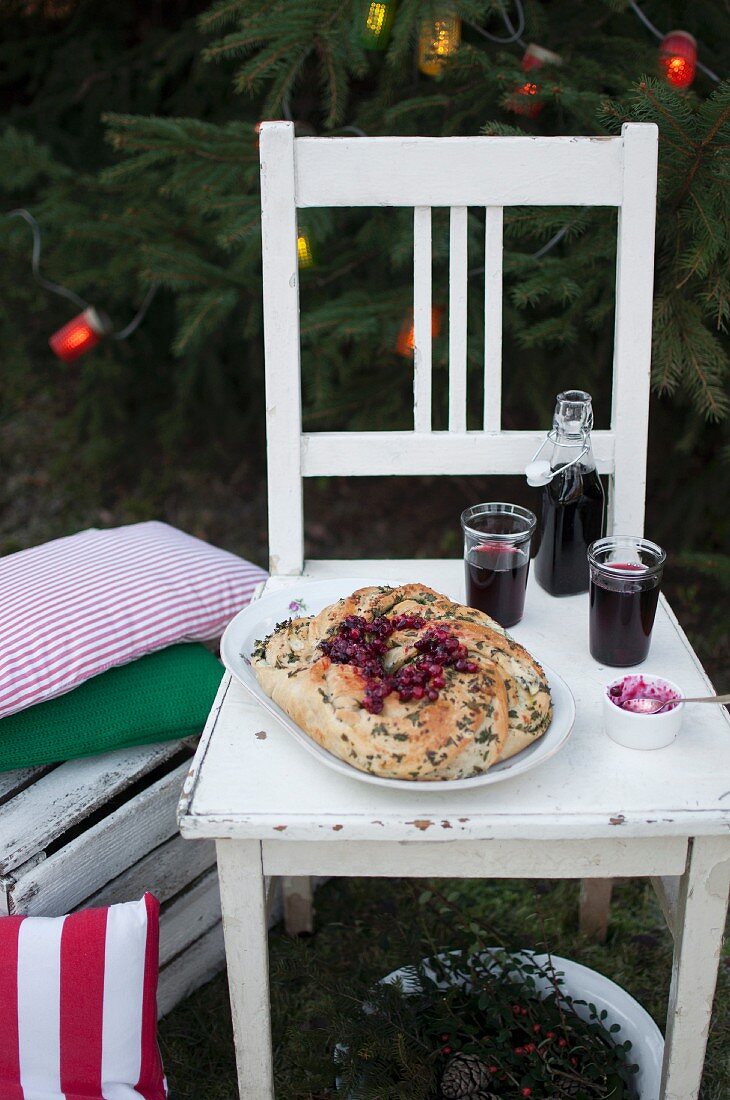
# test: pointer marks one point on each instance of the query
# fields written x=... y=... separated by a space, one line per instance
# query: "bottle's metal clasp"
x=539 y=472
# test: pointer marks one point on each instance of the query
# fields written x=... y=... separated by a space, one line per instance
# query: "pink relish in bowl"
x=636 y=694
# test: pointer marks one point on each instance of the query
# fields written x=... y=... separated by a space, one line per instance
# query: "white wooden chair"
x=458 y=173
x=274 y=810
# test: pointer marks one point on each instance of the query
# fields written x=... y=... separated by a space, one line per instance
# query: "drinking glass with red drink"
x=497 y=558
x=625 y=575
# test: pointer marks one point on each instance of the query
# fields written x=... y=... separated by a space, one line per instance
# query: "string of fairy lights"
x=439 y=39
x=84 y=331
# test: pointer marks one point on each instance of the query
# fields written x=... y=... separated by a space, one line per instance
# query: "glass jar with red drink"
x=625 y=577
x=497 y=558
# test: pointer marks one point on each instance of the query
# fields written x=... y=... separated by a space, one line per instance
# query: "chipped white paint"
x=594 y=907
x=463 y=171
x=490 y=173
x=245 y=925
x=355 y=454
x=63 y=797
x=430 y=858
x=700 y=924
x=67 y=877
x=166 y=870
x=667 y=892
x=632 y=329
x=595 y=810
x=189 y=970
x=296 y=894
x=280 y=275
x=58 y=860
x=190 y=916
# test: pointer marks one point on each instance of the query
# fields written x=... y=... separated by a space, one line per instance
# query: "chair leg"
x=698 y=931
x=595 y=907
x=296 y=892
x=240 y=874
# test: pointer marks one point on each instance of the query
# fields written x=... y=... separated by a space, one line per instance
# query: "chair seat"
x=271 y=788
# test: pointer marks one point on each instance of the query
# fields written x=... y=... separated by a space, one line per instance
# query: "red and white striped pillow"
x=78 y=1000
x=77 y=606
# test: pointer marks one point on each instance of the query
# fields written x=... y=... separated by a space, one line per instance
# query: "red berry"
x=446 y=1050
x=537 y=1029
x=550 y=1035
x=519 y=1051
x=444 y=1038
x=574 y=1061
x=526 y=1091
x=492 y=1069
x=562 y=1042
x=516 y=1009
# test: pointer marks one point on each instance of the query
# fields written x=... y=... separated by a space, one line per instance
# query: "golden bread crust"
x=479 y=718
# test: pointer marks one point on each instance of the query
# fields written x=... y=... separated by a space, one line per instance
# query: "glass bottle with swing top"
x=572 y=504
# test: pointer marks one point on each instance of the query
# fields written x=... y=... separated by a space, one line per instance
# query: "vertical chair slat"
x=281 y=341
x=632 y=334
x=458 y=267
x=493 y=319
x=422 y=318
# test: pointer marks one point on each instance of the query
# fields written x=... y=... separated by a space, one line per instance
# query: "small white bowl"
x=642 y=731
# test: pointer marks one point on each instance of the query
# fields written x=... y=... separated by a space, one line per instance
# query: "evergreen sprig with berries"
x=483 y=1027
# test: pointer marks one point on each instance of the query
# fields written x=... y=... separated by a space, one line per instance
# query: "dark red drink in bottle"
x=572 y=501
x=625 y=578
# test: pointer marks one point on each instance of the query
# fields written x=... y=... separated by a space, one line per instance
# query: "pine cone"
x=466 y=1077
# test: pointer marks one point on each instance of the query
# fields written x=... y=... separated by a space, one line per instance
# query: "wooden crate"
x=104 y=830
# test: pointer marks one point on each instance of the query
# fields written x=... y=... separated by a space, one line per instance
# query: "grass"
x=368 y=927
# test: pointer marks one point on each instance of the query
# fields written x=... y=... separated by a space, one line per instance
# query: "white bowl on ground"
x=642 y=731
x=582 y=983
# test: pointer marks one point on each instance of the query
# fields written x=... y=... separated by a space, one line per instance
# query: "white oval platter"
x=308 y=598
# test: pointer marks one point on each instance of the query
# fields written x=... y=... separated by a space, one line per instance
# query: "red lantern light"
x=536 y=56
x=79 y=335
x=406 y=337
x=678 y=58
x=520 y=103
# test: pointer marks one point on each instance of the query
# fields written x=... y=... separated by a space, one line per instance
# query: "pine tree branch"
x=722 y=118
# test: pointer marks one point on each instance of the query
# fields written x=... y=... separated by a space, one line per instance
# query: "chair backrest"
x=490 y=172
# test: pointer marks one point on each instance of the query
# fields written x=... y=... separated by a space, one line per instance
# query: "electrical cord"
x=54 y=288
x=71 y=295
x=514 y=33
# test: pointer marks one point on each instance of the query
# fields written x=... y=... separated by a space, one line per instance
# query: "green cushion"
x=157 y=698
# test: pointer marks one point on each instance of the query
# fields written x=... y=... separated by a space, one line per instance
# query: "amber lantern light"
x=406 y=337
x=377 y=23
x=304 y=249
x=678 y=58
x=438 y=40
x=79 y=335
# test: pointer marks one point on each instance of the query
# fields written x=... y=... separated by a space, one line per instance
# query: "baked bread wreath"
x=406 y=684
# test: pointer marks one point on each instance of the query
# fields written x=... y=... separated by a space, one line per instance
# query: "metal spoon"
x=645 y=704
